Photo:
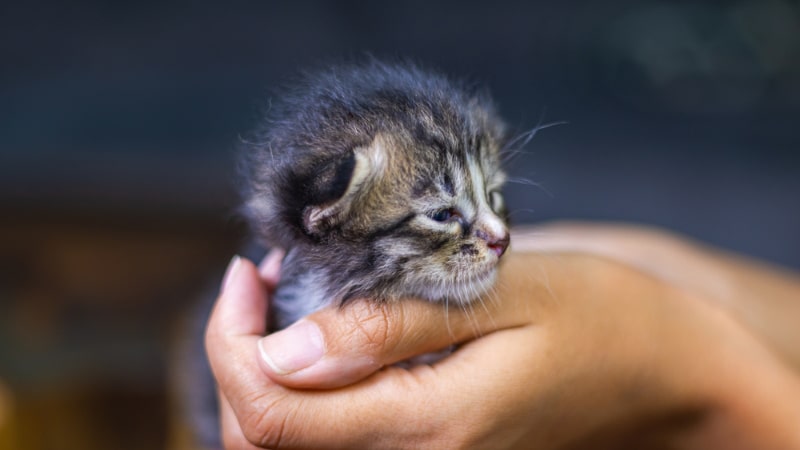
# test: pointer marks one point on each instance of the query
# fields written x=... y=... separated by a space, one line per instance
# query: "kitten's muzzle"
x=496 y=244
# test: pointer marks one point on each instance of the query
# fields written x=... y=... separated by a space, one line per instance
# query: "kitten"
x=381 y=181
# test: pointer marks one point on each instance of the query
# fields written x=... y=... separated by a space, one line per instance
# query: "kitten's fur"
x=381 y=181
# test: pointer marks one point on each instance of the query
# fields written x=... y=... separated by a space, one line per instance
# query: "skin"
x=596 y=337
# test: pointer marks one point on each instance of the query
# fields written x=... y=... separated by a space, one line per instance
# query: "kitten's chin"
x=462 y=290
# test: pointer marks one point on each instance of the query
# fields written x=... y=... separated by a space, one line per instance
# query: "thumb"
x=337 y=346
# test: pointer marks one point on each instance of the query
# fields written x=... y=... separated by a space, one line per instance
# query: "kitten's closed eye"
x=445 y=215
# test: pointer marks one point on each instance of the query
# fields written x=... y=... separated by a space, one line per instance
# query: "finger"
x=495 y=381
x=241 y=308
x=232 y=333
x=232 y=435
x=351 y=417
x=338 y=346
x=273 y=416
x=240 y=311
x=270 y=267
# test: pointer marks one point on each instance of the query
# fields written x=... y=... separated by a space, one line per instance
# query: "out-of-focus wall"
x=682 y=115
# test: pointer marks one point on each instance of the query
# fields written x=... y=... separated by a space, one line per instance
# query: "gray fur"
x=351 y=174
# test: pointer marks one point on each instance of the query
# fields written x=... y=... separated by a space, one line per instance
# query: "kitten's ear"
x=339 y=186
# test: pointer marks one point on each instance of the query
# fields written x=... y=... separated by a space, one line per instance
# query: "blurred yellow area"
x=89 y=314
x=8 y=440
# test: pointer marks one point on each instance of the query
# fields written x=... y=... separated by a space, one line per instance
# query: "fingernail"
x=271 y=264
x=233 y=266
x=294 y=348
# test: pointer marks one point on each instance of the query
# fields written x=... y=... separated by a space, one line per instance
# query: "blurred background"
x=118 y=123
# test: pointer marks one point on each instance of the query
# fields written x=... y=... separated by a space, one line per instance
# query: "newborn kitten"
x=381 y=181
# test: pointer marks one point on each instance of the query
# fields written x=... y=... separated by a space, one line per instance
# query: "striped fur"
x=380 y=181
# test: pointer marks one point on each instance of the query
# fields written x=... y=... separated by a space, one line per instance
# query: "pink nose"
x=497 y=244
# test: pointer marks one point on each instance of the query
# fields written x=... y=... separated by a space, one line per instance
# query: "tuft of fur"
x=380 y=181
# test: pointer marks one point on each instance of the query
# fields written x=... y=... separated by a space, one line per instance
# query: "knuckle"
x=265 y=422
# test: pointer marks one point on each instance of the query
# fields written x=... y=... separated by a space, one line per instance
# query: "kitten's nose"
x=496 y=243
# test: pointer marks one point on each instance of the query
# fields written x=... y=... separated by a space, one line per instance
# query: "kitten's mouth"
x=486 y=271
x=469 y=288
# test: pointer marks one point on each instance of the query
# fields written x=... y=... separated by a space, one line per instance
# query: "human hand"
x=762 y=297
x=576 y=351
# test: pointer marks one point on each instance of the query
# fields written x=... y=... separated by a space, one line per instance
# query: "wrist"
x=756 y=401
x=746 y=397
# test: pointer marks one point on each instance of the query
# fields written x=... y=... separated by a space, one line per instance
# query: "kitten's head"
x=387 y=179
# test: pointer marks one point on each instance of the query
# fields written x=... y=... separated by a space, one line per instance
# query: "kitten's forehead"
x=433 y=163
x=428 y=148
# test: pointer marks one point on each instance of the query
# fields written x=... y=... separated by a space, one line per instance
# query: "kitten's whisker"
x=494 y=297
x=528 y=135
x=242 y=140
x=527 y=182
x=478 y=295
x=547 y=125
x=509 y=151
x=525 y=136
x=546 y=281
x=473 y=322
x=509 y=155
x=488 y=312
x=447 y=317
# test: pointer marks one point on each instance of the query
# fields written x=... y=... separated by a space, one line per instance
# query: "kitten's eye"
x=444 y=215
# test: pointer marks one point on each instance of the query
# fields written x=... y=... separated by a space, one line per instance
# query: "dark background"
x=118 y=122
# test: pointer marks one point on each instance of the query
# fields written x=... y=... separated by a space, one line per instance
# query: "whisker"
x=494 y=297
x=509 y=155
x=488 y=313
x=520 y=180
x=527 y=136
x=513 y=147
x=527 y=182
x=467 y=308
x=447 y=317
